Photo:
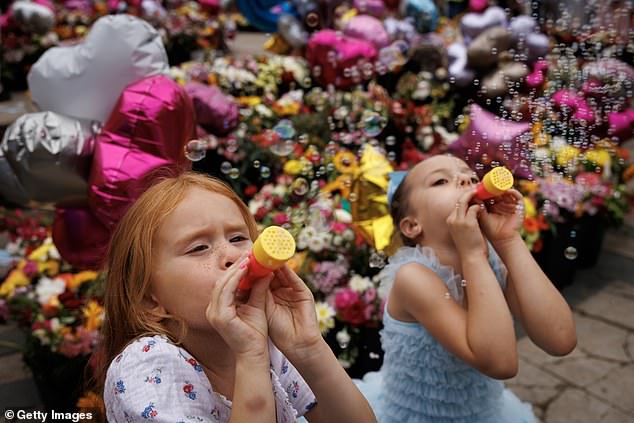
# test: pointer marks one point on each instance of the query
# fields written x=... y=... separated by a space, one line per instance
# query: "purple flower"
x=328 y=274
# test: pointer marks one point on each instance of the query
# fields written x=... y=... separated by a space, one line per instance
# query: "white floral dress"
x=155 y=380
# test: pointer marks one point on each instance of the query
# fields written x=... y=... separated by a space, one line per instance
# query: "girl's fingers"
x=462 y=204
x=257 y=297
x=472 y=212
x=227 y=290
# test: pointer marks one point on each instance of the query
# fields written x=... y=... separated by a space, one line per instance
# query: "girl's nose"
x=464 y=180
x=231 y=253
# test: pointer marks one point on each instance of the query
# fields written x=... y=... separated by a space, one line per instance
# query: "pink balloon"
x=148 y=129
x=214 y=110
x=80 y=238
x=580 y=109
x=489 y=138
x=367 y=28
x=478 y=6
x=331 y=54
x=537 y=77
x=371 y=7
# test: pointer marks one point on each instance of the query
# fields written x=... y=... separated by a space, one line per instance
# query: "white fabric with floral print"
x=155 y=380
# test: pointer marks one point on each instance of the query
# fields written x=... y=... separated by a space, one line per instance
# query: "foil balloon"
x=488 y=138
x=148 y=129
x=483 y=51
x=80 y=237
x=400 y=29
x=608 y=77
x=49 y=155
x=473 y=24
x=574 y=104
x=458 y=70
x=263 y=14
x=423 y=13
x=374 y=8
x=368 y=28
x=292 y=31
x=215 y=111
x=85 y=80
x=338 y=58
x=33 y=17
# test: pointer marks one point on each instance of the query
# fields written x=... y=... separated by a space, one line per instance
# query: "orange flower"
x=628 y=173
x=531 y=225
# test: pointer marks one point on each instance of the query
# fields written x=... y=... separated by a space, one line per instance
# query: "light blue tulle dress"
x=420 y=381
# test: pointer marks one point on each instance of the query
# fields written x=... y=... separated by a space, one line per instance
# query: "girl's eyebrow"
x=189 y=237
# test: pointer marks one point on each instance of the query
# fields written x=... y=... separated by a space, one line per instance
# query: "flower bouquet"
x=57 y=308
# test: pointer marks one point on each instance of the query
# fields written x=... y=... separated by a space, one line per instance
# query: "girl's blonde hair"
x=130 y=262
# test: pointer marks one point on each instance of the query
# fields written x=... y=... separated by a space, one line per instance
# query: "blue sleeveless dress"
x=420 y=381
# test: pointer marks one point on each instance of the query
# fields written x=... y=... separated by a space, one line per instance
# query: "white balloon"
x=84 y=81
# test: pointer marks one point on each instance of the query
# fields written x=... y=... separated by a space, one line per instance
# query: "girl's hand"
x=503 y=216
x=290 y=309
x=243 y=326
x=464 y=227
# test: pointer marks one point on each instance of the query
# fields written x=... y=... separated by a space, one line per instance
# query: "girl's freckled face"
x=196 y=244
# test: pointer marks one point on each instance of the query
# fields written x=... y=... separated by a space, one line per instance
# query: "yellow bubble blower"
x=271 y=249
x=495 y=182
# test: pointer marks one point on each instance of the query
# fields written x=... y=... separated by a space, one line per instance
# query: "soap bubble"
x=196 y=150
x=571 y=253
x=373 y=123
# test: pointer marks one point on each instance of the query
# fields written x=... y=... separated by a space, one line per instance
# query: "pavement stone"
x=577 y=406
x=601 y=340
x=617 y=388
x=13 y=369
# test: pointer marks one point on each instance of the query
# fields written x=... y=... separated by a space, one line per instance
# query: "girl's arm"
x=482 y=335
x=294 y=330
x=542 y=310
x=252 y=392
x=338 y=399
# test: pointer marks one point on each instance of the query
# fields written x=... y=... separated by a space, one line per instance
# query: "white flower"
x=343 y=216
x=316 y=244
x=348 y=235
x=53 y=254
x=254 y=205
x=263 y=110
x=325 y=316
x=308 y=232
x=41 y=335
x=359 y=283
x=13 y=248
x=48 y=288
x=337 y=241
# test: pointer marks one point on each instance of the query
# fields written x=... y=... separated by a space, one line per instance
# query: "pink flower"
x=281 y=218
x=339 y=227
x=369 y=295
x=588 y=179
x=345 y=297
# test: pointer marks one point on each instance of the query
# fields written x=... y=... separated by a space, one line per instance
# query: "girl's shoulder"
x=423 y=256
x=150 y=351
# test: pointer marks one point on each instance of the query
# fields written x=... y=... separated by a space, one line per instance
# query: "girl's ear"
x=152 y=305
x=410 y=228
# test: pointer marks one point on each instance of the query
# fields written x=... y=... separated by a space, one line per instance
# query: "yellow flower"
x=93 y=313
x=528 y=186
x=91 y=402
x=293 y=167
x=249 y=100
x=566 y=154
x=50 y=267
x=41 y=252
x=345 y=162
x=81 y=277
x=599 y=157
x=325 y=316
x=15 y=279
x=529 y=208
